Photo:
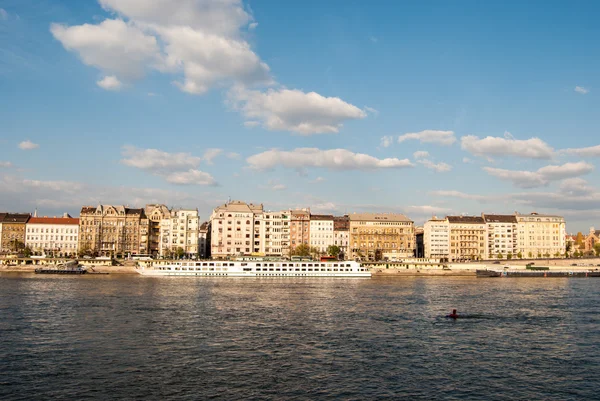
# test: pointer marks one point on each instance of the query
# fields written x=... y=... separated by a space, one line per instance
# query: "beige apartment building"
x=156 y=214
x=436 y=238
x=180 y=230
x=341 y=234
x=113 y=231
x=12 y=231
x=233 y=231
x=321 y=232
x=541 y=235
x=273 y=230
x=502 y=236
x=374 y=234
x=299 y=227
x=58 y=236
x=468 y=238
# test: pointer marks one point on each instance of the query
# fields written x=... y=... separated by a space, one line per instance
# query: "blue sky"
x=424 y=108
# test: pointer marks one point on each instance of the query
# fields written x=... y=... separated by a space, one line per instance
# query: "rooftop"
x=321 y=217
x=500 y=218
x=54 y=220
x=393 y=217
x=466 y=219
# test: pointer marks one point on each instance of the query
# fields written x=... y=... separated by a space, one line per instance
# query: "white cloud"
x=210 y=154
x=233 y=155
x=467 y=160
x=113 y=46
x=274 y=185
x=253 y=25
x=421 y=154
x=430 y=136
x=581 y=89
x=592 y=151
x=575 y=187
x=110 y=83
x=439 y=167
x=427 y=210
x=251 y=124
x=333 y=159
x=5 y=164
x=386 y=141
x=3 y=14
x=293 y=110
x=371 y=110
x=541 y=177
x=58 y=186
x=462 y=195
x=28 y=145
x=190 y=177
x=533 y=148
x=155 y=160
x=317 y=180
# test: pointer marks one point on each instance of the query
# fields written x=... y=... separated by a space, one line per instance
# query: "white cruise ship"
x=257 y=269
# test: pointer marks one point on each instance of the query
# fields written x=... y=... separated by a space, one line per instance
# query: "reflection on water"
x=122 y=337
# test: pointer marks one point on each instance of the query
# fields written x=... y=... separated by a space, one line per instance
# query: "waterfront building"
x=273 y=230
x=541 y=235
x=436 y=239
x=12 y=231
x=502 y=236
x=179 y=233
x=321 y=232
x=591 y=240
x=468 y=238
x=341 y=234
x=155 y=213
x=113 y=231
x=373 y=234
x=204 y=240
x=56 y=236
x=232 y=229
x=299 y=227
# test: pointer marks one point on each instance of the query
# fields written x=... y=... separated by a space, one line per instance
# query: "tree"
x=168 y=253
x=530 y=255
x=509 y=256
x=557 y=254
x=315 y=252
x=333 y=250
x=520 y=255
x=579 y=239
x=569 y=247
x=597 y=248
x=547 y=255
x=179 y=252
x=27 y=252
x=499 y=256
x=301 y=250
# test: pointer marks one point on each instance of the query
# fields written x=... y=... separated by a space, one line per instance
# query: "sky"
x=423 y=108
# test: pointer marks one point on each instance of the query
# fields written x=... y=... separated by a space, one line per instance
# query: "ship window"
x=211 y=264
x=310 y=265
x=244 y=264
x=247 y=269
x=278 y=270
x=335 y=270
x=284 y=270
x=303 y=270
x=271 y=265
x=212 y=269
x=335 y=265
x=258 y=264
x=308 y=270
x=328 y=270
x=231 y=264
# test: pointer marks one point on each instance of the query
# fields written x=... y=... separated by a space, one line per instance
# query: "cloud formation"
x=533 y=148
x=386 y=141
x=293 y=110
x=592 y=151
x=438 y=167
x=28 y=145
x=5 y=164
x=110 y=83
x=333 y=159
x=445 y=138
x=190 y=177
x=581 y=90
x=541 y=177
x=421 y=154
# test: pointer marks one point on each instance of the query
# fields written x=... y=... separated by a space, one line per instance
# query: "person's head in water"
x=454 y=311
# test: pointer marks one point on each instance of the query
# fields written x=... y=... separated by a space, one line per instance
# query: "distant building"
x=58 y=236
x=273 y=230
x=541 y=235
x=341 y=234
x=591 y=240
x=436 y=239
x=233 y=231
x=179 y=230
x=375 y=234
x=321 y=231
x=204 y=240
x=502 y=236
x=156 y=214
x=113 y=231
x=419 y=245
x=299 y=227
x=468 y=238
x=12 y=231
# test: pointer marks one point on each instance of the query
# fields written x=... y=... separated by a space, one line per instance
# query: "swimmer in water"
x=453 y=315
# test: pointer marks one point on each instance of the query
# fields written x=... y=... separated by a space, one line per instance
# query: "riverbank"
x=91 y=269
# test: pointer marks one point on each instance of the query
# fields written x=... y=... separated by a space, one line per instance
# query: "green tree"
x=547 y=255
x=179 y=253
x=557 y=254
x=499 y=256
x=27 y=252
x=168 y=253
x=579 y=239
x=530 y=255
x=301 y=250
x=569 y=247
x=509 y=256
x=333 y=250
x=520 y=255
x=597 y=248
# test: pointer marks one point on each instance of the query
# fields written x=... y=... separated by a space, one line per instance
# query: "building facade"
x=179 y=232
x=436 y=239
x=502 y=236
x=375 y=234
x=232 y=229
x=321 y=232
x=541 y=235
x=156 y=214
x=341 y=235
x=204 y=240
x=273 y=229
x=299 y=227
x=113 y=231
x=12 y=232
x=53 y=236
x=468 y=238
x=591 y=240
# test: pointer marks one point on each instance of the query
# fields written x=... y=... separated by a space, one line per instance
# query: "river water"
x=129 y=337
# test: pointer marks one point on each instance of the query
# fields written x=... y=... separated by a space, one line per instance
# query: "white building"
x=180 y=230
x=232 y=229
x=540 y=235
x=502 y=236
x=273 y=229
x=321 y=231
x=341 y=234
x=58 y=236
x=436 y=238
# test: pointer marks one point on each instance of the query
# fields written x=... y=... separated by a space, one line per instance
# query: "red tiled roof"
x=54 y=220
